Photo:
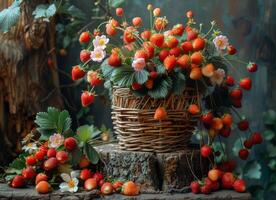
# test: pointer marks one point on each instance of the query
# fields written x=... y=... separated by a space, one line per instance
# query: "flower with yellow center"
x=30 y=147
x=98 y=54
x=56 y=140
x=221 y=42
x=100 y=42
x=70 y=183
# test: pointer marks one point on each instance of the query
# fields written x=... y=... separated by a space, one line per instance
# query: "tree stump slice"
x=155 y=172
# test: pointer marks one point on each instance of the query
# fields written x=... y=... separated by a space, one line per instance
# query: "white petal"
x=65 y=177
x=75 y=174
x=63 y=187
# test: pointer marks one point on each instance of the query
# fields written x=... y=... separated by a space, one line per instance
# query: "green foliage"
x=178 y=82
x=252 y=170
x=123 y=76
x=10 y=16
x=18 y=163
x=86 y=132
x=115 y=3
x=45 y=11
x=141 y=76
x=53 y=121
x=161 y=89
x=270 y=117
x=91 y=153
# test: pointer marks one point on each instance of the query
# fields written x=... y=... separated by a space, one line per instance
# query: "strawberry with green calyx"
x=87 y=98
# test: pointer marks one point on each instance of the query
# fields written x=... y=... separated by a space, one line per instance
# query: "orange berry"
x=193 y=109
x=217 y=123
x=84 y=162
x=130 y=189
x=136 y=21
x=227 y=120
x=160 y=113
x=195 y=73
x=156 y=12
x=40 y=177
x=170 y=62
x=149 y=84
x=119 y=12
x=208 y=70
x=43 y=187
x=197 y=58
x=146 y=34
x=183 y=61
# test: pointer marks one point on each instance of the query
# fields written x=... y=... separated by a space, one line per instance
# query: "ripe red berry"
x=91 y=184
x=50 y=164
x=153 y=74
x=85 y=174
x=236 y=94
x=62 y=156
x=129 y=34
x=119 y=12
x=28 y=173
x=191 y=35
x=231 y=50
x=206 y=151
x=257 y=138
x=94 y=78
x=196 y=58
x=157 y=39
x=205 y=189
x=184 y=61
x=160 y=113
x=18 y=181
x=227 y=180
x=110 y=30
x=243 y=154
x=85 y=55
x=39 y=155
x=239 y=185
x=77 y=73
x=214 y=174
x=230 y=81
x=136 y=21
x=149 y=48
x=170 y=62
x=40 y=177
x=207 y=118
x=189 y=14
x=141 y=53
x=136 y=86
x=70 y=143
x=236 y=103
x=114 y=60
x=30 y=160
x=146 y=35
x=106 y=188
x=98 y=176
x=225 y=131
x=171 y=42
x=51 y=153
x=252 y=67
x=187 y=47
x=176 y=51
x=178 y=29
x=163 y=54
x=243 y=125
x=84 y=37
x=87 y=98
x=195 y=187
x=246 y=83
x=248 y=143
x=198 y=44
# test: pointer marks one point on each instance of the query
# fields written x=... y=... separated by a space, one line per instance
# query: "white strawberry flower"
x=56 y=140
x=218 y=77
x=70 y=183
x=138 y=64
x=221 y=42
x=98 y=54
x=100 y=41
x=30 y=147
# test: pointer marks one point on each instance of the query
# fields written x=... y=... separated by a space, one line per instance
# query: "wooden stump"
x=155 y=172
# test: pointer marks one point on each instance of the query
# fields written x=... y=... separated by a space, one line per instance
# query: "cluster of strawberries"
x=216 y=180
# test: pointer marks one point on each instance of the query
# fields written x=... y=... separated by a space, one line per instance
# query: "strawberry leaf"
x=141 y=76
x=91 y=153
x=160 y=89
x=179 y=83
x=252 y=170
x=86 y=132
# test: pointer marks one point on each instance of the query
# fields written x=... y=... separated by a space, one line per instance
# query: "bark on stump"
x=155 y=172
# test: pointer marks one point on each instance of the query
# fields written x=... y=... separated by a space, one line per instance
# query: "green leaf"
x=141 y=76
x=115 y=3
x=64 y=122
x=257 y=192
x=272 y=164
x=160 y=69
x=9 y=16
x=45 y=11
x=238 y=144
x=107 y=70
x=87 y=132
x=179 y=83
x=252 y=170
x=91 y=153
x=269 y=134
x=271 y=187
x=271 y=150
x=217 y=146
x=269 y=117
x=123 y=76
x=161 y=89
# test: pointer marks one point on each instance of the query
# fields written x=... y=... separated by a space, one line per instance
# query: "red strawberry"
x=77 y=73
x=171 y=42
x=236 y=94
x=191 y=35
x=239 y=185
x=117 y=186
x=110 y=30
x=30 y=160
x=206 y=151
x=163 y=54
x=187 y=47
x=62 y=156
x=70 y=143
x=205 y=189
x=146 y=34
x=84 y=55
x=28 y=173
x=91 y=184
x=214 y=174
x=160 y=113
x=114 y=60
x=40 y=177
x=87 y=98
x=50 y=164
x=84 y=37
x=153 y=75
x=94 y=78
x=189 y=14
x=227 y=180
x=227 y=120
x=207 y=118
x=157 y=39
x=225 y=131
x=215 y=185
x=119 y=12
x=39 y=155
x=136 y=21
x=98 y=176
x=106 y=188
x=160 y=23
x=231 y=50
x=170 y=62
x=195 y=187
x=136 y=86
x=178 y=29
x=183 y=61
x=248 y=143
x=198 y=44
x=230 y=81
x=85 y=174
x=18 y=181
x=96 y=32
x=51 y=153
x=141 y=54
x=252 y=67
x=193 y=109
x=243 y=154
x=236 y=103
x=149 y=48
x=246 y=83
x=129 y=34
x=176 y=51
x=243 y=125
x=257 y=138
x=196 y=58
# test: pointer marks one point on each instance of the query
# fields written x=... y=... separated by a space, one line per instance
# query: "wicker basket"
x=137 y=130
